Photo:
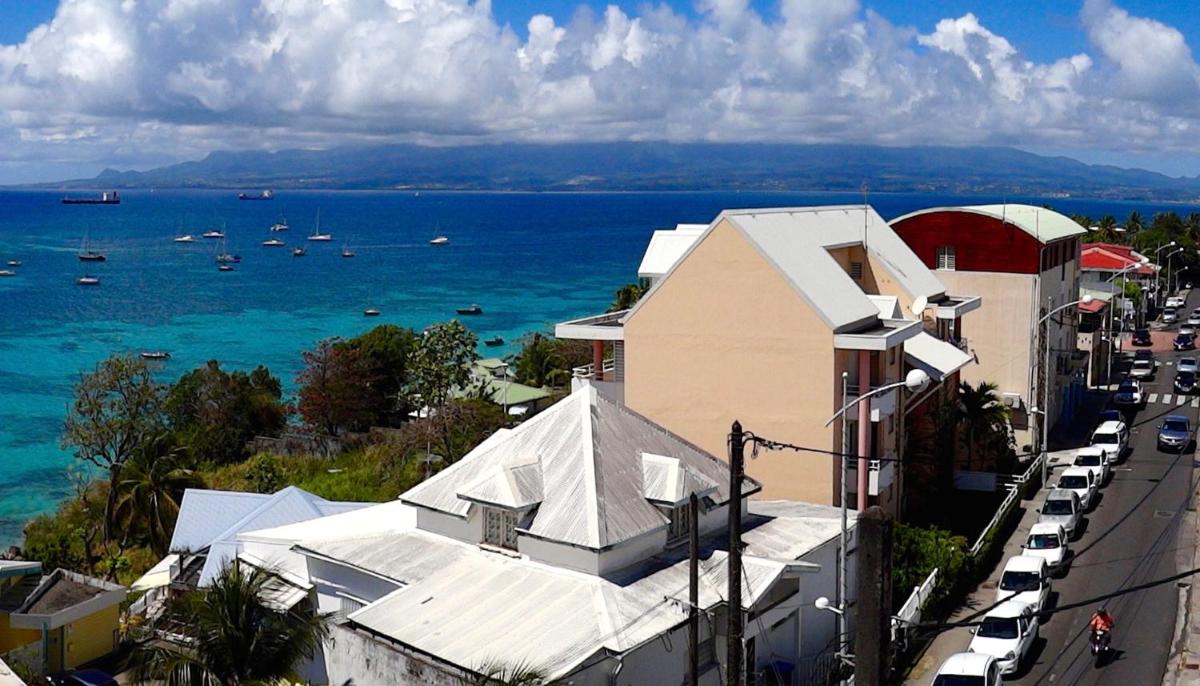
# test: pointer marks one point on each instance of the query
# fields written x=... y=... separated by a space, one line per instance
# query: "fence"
x=1016 y=489
x=910 y=611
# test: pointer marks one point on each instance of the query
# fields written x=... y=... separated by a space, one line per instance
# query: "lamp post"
x=1108 y=368
x=1046 y=381
x=1158 y=250
x=915 y=381
x=1169 y=268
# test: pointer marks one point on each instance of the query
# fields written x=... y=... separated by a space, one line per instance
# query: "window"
x=500 y=528
x=680 y=523
x=856 y=270
x=946 y=257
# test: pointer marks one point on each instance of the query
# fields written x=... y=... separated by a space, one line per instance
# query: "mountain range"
x=657 y=166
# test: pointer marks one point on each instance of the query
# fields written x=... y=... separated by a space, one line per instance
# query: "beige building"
x=757 y=320
x=1024 y=262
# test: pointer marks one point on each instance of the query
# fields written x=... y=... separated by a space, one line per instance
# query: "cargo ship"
x=106 y=198
x=265 y=195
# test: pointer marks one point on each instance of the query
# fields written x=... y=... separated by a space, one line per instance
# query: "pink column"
x=864 y=428
x=598 y=360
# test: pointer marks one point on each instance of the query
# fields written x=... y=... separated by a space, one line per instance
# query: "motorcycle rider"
x=1102 y=621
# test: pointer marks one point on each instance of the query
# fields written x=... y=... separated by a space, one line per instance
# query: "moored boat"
x=440 y=240
x=7 y=272
x=14 y=263
x=493 y=342
x=273 y=243
x=155 y=355
x=185 y=238
x=213 y=234
x=370 y=312
x=473 y=309
x=225 y=267
x=87 y=280
x=298 y=252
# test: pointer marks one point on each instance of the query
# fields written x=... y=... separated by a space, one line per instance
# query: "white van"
x=1112 y=436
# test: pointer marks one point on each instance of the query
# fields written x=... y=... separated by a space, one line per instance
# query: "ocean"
x=528 y=259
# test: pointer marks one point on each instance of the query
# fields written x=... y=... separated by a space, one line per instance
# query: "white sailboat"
x=280 y=225
x=316 y=234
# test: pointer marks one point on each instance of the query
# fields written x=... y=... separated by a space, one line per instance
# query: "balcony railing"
x=588 y=371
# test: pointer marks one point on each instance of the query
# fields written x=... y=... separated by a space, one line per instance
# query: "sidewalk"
x=1183 y=668
x=1065 y=439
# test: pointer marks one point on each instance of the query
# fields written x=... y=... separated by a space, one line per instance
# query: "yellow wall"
x=725 y=338
x=91 y=637
x=11 y=638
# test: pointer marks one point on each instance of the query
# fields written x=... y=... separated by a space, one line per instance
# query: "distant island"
x=653 y=166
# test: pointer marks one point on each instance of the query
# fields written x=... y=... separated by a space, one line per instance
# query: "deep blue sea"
x=529 y=259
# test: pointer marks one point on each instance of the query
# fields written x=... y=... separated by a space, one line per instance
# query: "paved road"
x=1131 y=538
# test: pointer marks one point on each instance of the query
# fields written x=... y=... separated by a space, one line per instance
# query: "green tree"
x=548 y=361
x=626 y=297
x=234 y=637
x=331 y=397
x=442 y=362
x=386 y=352
x=116 y=410
x=1133 y=224
x=983 y=420
x=498 y=673
x=215 y=413
x=1106 y=230
x=150 y=491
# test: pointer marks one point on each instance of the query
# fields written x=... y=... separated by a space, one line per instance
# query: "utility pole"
x=693 y=591
x=873 y=614
x=733 y=661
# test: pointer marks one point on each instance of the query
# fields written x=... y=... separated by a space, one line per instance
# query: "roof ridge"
x=593 y=507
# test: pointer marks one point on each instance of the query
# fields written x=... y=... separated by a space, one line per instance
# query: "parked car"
x=1186 y=364
x=82 y=677
x=1187 y=330
x=1185 y=382
x=1111 y=416
x=1061 y=507
x=1193 y=319
x=1129 y=393
x=1142 y=369
x=968 y=669
x=1025 y=580
x=1175 y=433
x=1007 y=632
x=1185 y=342
x=1097 y=460
x=1142 y=337
x=1079 y=480
x=1112 y=436
x=1175 y=301
x=1169 y=315
x=1049 y=542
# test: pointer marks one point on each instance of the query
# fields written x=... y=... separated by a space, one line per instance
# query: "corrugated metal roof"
x=204 y=515
x=369 y=520
x=1043 y=224
x=935 y=356
x=667 y=481
x=589 y=448
x=666 y=247
x=468 y=606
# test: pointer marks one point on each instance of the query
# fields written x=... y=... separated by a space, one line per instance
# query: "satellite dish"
x=918 y=306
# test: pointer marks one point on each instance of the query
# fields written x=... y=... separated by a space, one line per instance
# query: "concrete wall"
x=725 y=338
x=91 y=637
x=369 y=662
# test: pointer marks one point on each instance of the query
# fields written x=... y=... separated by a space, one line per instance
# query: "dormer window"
x=500 y=528
x=680 y=524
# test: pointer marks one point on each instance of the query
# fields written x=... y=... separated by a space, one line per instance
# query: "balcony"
x=882 y=405
x=881 y=475
x=600 y=327
x=955 y=306
x=588 y=371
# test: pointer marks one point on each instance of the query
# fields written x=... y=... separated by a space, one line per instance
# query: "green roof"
x=1045 y=225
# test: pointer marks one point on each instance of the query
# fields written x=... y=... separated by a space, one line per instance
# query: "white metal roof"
x=213 y=519
x=936 y=357
x=467 y=606
x=667 y=481
x=1043 y=224
x=588 y=450
x=666 y=247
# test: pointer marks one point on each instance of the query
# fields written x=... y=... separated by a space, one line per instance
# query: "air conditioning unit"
x=1011 y=400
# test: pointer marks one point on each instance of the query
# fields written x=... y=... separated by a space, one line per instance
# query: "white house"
x=562 y=545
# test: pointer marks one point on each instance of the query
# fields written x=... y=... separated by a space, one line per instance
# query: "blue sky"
x=138 y=84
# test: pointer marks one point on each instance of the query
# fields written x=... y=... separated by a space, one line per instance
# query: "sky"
x=133 y=84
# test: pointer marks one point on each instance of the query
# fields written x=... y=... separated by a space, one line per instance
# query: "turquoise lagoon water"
x=528 y=259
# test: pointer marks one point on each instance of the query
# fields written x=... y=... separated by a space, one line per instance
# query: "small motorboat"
x=494 y=342
x=473 y=309
x=213 y=234
x=370 y=312
x=347 y=252
x=14 y=263
x=225 y=268
x=440 y=240
x=7 y=272
x=298 y=252
x=87 y=281
x=273 y=243
x=185 y=238
x=155 y=355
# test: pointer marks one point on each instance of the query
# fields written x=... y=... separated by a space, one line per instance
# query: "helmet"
x=1102 y=610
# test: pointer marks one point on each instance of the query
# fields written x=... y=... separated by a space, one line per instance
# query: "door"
x=54 y=650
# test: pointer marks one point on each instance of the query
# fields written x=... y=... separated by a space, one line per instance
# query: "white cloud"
x=148 y=79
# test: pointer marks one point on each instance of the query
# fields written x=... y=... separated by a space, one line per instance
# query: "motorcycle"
x=1101 y=640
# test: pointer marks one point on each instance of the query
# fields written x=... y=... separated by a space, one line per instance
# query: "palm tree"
x=149 y=491
x=1133 y=224
x=626 y=297
x=984 y=418
x=1106 y=230
x=233 y=638
x=501 y=674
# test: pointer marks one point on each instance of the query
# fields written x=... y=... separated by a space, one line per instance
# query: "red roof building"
x=1110 y=258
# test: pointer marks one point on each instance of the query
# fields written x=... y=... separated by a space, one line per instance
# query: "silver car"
x=1187 y=364
x=1062 y=507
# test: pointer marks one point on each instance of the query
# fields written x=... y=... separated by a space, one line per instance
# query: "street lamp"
x=1168 y=259
x=1046 y=383
x=1156 y=252
x=823 y=603
x=1140 y=263
x=915 y=381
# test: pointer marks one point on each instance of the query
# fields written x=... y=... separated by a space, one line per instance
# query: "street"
x=1130 y=538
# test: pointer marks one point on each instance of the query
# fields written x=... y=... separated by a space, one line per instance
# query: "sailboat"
x=347 y=252
x=185 y=238
x=316 y=234
x=224 y=257
x=273 y=243
x=213 y=233
x=86 y=254
x=280 y=225
x=298 y=252
x=440 y=240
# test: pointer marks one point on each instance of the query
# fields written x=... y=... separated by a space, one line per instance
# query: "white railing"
x=910 y=611
x=880 y=474
x=588 y=371
x=1014 y=494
